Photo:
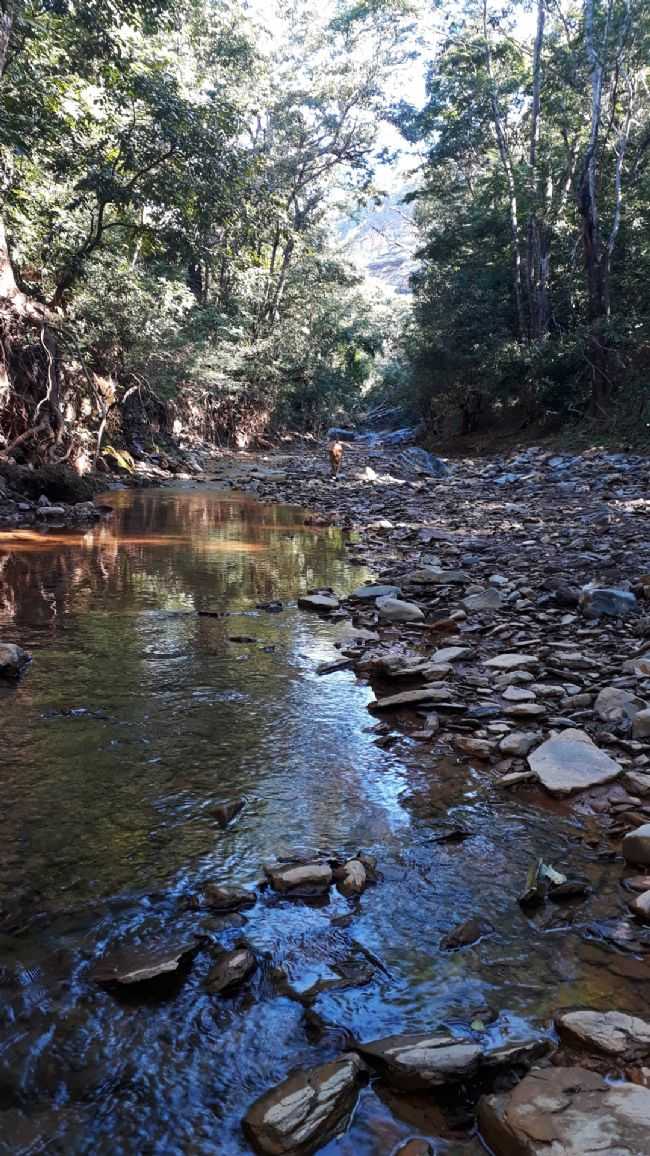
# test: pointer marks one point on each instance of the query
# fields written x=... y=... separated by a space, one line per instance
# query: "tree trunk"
x=538 y=256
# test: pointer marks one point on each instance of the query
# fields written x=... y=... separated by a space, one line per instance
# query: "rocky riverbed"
x=419 y=910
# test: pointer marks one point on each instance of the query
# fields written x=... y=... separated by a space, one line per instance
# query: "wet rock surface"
x=613 y=1033
x=419 y=1061
x=307 y=1110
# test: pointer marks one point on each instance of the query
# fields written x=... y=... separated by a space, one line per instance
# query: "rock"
x=637 y=783
x=395 y=610
x=13 y=660
x=231 y=970
x=424 y=462
x=636 y=845
x=466 y=933
x=641 y=725
x=518 y=743
x=449 y=653
x=226 y=811
x=138 y=965
x=568 y=1112
x=340 y=434
x=613 y=1033
x=411 y=698
x=479 y=748
x=515 y=1053
x=273 y=607
x=303 y=879
x=322 y=603
x=307 y=1110
x=351 y=878
x=369 y=593
x=571 y=762
x=489 y=599
x=510 y=662
x=51 y=511
x=525 y=710
x=641 y=907
x=417 y=1062
x=614 y=704
x=435 y=576
x=597 y=601
x=415 y=1147
x=518 y=694
x=227 y=898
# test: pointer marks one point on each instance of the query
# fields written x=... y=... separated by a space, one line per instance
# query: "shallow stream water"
x=137 y=716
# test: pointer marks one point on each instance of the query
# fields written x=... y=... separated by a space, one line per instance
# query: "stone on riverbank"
x=641 y=725
x=612 y=1033
x=572 y=762
x=640 y=907
x=509 y=662
x=599 y=601
x=321 y=603
x=568 y=1111
x=370 y=592
x=614 y=705
x=395 y=610
x=13 y=660
x=300 y=879
x=636 y=845
x=411 y=698
x=307 y=1110
x=416 y=1062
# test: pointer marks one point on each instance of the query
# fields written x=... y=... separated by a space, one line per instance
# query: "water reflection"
x=136 y=717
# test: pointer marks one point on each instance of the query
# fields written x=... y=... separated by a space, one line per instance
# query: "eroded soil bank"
x=169 y=956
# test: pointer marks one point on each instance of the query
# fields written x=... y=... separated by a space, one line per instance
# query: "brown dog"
x=335 y=450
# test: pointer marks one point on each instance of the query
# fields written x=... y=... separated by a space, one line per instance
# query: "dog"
x=335 y=450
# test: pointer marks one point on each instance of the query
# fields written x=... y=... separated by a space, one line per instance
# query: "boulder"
x=598 y=601
x=322 y=603
x=231 y=970
x=612 y=1033
x=572 y=762
x=300 y=879
x=417 y=1062
x=568 y=1112
x=370 y=592
x=636 y=845
x=13 y=660
x=395 y=610
x=615 y=705
x=307 y=1110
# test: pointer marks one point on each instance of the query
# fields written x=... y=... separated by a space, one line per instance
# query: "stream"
x=137 y=716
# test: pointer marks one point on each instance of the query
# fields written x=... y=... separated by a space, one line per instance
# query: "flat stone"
x=307 y=1110
x=395 y=610
x=512 y=662
x=637 y=782
x=641 y=725
x=138 y=965
x=613 y=1033
x=13 y=660
x=488 y=599
x=449 y=653
x=636 y=845
x=51 y=511
x=566 y=1112
x=518 y=694
x=231 y=970
x=369 y=593
x=300 y=879
x=418 y=1062
x=479 y=748
x=571 y=762
x=411 y=698
x=433 y=575
x=525 y=710
x=318 y=602
x=614 y=704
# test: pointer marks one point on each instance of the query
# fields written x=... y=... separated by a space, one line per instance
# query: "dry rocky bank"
x=508 y=623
